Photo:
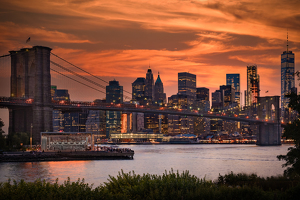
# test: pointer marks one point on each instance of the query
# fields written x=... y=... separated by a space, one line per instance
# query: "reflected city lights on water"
x=204 y=160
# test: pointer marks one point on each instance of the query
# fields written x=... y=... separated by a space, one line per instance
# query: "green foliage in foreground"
x=167 y=186
x=292 y=131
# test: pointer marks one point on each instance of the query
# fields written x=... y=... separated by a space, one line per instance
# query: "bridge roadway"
x=77 y=106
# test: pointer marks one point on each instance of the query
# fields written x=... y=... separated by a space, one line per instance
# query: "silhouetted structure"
x=234 y=81
x=114 y=94
x=252 y=85
x=287 y=82
x=30 y=78
x=149 y=85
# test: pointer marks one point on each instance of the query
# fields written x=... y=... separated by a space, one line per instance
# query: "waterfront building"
x=67 y=121
x=216 y=125
x=234 y=81
x=58 y=117
x=183 y=100
x=201 y=126
x=180 y=124
x=287 y=82
x=253 y=89
x=96 y=121
x=202 y=103
x=75 y=121
x=149 y=85
x=114 y=94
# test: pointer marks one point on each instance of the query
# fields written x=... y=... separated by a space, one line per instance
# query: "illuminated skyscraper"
x=252 y=85
x=234 y=80
x=187 y=84
x=180 y=124
x=114 y=94
x=96 y=121
x=287 y=81
x=138 y=91
x=59 y=117
x=202 y=99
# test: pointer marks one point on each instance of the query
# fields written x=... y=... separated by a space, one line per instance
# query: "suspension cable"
x=76 y=74
x=84 y=78
x=77 y=81
x=84 y=70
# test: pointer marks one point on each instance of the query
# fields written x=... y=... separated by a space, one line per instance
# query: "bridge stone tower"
x=268 y=109
x=30 y=78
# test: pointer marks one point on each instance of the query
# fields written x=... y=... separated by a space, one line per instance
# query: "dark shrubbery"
x=281 y=183
x=167 y=186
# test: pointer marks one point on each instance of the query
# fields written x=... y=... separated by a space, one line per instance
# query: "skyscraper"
x=96 y=121
x=59 y=117
x=234 y=81
x=149 y=85
x=227 y=95
x=287 y=81
x=202 y=99
x=216 y=99
x=138 y=90
x=180 y=124
x=202 y=94
x=252 y=85
x=187 y=84
x=159 y=95
x=201 y=125
x=114 y=94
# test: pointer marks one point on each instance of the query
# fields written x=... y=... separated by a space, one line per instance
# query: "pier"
x=65 y=156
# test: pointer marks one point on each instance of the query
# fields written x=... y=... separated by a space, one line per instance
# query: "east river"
x=202 y=160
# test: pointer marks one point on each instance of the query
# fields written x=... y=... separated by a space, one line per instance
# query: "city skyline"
x=119 y=40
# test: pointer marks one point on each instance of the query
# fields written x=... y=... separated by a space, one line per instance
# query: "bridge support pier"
x=30 y=78
x=268 y=109
x=269 y=134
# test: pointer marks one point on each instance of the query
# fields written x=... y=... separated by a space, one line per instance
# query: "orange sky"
x=120 y=38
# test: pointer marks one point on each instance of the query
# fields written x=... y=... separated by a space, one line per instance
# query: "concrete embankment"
x=64 y=156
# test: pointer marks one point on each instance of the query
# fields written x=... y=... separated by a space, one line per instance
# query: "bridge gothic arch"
x=268 y=110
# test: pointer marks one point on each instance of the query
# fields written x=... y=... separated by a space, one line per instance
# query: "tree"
x=2 y=138
x=292 y=131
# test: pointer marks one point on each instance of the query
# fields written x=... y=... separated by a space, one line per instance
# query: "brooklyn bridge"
x=31 y=106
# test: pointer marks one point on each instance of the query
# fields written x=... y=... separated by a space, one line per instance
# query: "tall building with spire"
x=159 y=95
x=287 y=81
x=149 y=85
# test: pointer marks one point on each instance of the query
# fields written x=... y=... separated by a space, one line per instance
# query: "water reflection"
x=201 y=160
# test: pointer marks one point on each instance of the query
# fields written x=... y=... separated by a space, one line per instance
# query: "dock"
x=65 y=156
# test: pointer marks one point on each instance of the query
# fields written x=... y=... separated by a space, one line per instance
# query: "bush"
x=170 y=185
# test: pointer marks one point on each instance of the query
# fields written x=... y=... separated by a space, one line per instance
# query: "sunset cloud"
x=207 y=38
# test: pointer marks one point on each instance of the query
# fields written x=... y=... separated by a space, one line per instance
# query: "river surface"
x=202 y=160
